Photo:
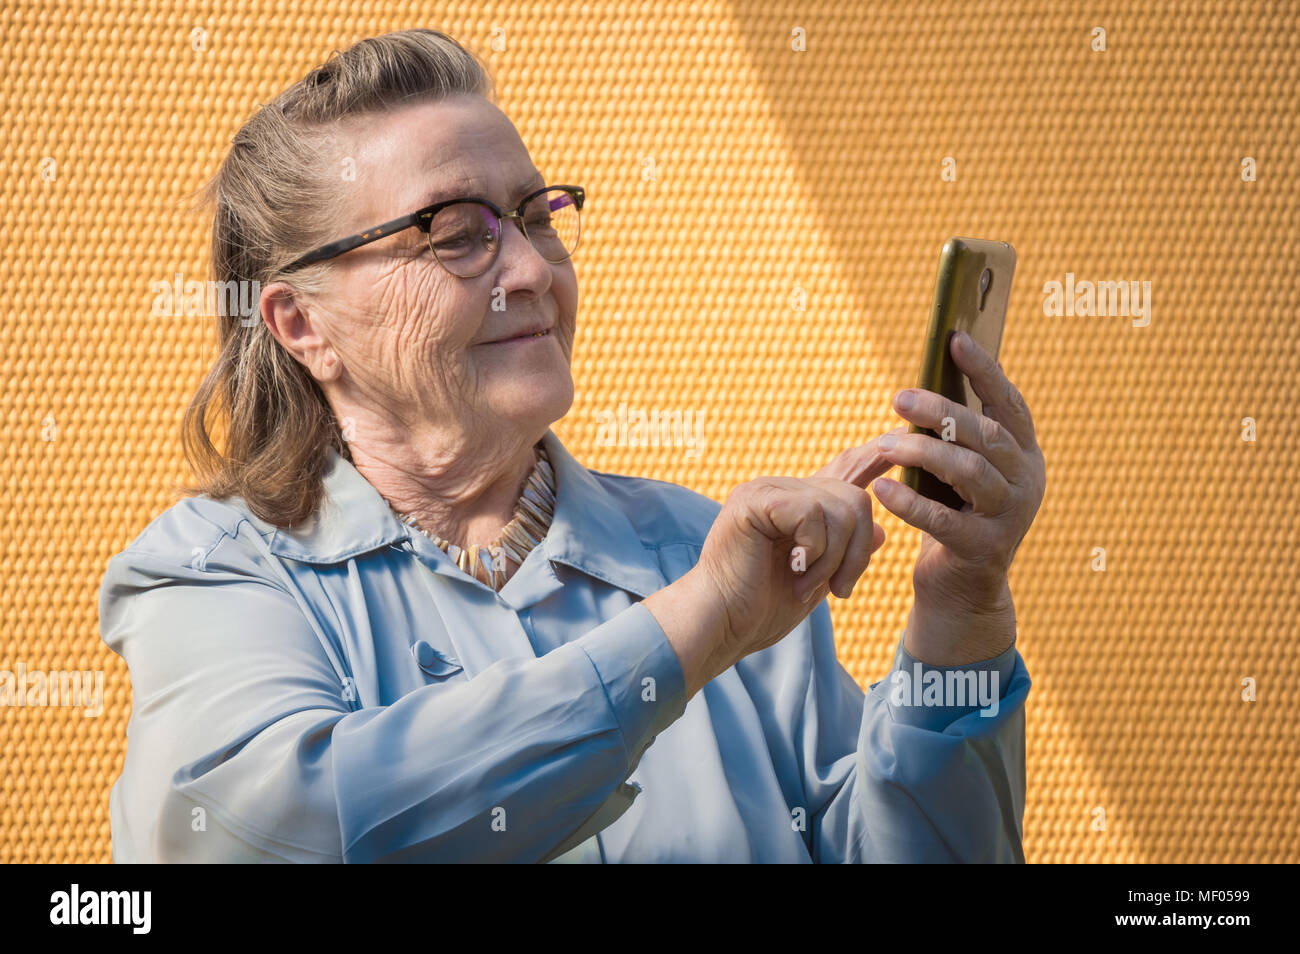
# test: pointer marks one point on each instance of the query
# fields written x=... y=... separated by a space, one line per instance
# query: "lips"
x=533 y=331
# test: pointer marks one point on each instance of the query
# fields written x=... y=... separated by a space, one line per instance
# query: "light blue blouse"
x=342 y=692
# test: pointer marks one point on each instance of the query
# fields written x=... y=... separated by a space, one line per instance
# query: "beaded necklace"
x=526 y=529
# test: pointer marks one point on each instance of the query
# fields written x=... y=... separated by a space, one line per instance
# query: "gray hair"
x=272 y=202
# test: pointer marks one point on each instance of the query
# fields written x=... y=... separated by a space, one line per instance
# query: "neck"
x=458 y=486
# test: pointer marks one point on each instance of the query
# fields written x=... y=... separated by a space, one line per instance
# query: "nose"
x=524 y=247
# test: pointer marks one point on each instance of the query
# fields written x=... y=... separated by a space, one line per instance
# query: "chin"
x=535 y=404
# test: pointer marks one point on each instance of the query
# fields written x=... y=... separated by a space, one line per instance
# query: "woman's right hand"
x=742 y=595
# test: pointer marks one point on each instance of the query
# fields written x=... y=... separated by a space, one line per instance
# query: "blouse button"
x=431 y=661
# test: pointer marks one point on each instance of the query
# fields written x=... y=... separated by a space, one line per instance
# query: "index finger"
x=859 y=465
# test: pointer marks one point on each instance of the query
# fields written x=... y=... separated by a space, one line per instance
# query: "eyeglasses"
x=465 y=234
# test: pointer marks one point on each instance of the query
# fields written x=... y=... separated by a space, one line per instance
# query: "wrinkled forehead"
x=396 y=161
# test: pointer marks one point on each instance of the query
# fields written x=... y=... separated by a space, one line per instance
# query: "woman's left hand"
x=963 y=610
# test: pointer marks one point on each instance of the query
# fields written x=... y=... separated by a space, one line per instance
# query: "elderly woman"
x=397 y=621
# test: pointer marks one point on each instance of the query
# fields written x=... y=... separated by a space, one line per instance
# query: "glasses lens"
x=551 y=221
x=465 y=237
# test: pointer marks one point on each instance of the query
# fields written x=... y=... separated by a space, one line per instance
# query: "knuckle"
x=941 y=518
x=971 y=467
x=1016 y=401
x=992 y=434
x=749 y=497
x=814 y=510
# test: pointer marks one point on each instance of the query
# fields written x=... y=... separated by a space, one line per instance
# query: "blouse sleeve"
x=242 y=745
x=891 y=781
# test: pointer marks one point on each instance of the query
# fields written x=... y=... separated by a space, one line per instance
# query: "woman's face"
x=395 y=334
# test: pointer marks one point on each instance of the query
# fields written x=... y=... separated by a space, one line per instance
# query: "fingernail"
x=882 y=486
x=886 y=441
x=905 y=400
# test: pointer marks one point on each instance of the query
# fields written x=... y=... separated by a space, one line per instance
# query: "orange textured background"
x=724 y=170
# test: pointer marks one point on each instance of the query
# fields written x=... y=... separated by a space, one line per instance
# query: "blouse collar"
x=589 y=532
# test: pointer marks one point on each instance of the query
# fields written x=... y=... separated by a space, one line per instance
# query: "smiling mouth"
x=539 y=334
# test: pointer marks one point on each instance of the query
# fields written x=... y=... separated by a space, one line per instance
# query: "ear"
x=300 y=331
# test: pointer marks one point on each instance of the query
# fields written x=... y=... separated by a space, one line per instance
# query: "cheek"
x=564 y=287
x=419 y=315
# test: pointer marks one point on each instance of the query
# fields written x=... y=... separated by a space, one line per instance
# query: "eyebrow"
x=467 y=188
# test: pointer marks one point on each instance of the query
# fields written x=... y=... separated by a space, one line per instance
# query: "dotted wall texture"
x=731 y=176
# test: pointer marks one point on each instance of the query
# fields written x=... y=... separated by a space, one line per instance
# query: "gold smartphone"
x=971 y=295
